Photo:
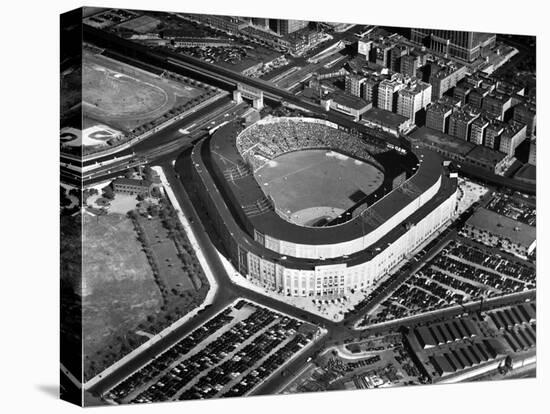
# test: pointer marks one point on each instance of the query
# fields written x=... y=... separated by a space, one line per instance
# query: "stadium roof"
x=246 y=191
x=243 y=238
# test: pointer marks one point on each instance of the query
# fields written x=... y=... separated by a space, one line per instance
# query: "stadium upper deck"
x=282 y=236
x=233 y=231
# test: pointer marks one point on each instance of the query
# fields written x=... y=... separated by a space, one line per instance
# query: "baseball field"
x=313 y=185
x=125 y=97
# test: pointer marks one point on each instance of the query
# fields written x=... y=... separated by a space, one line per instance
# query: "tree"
x=108 y=193
x=148 y=173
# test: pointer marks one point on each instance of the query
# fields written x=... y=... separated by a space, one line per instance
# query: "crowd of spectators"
x=265 y=141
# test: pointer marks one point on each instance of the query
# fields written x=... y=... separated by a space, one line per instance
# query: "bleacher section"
x=267 y=140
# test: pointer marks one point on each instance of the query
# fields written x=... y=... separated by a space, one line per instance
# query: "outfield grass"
x=315 y=184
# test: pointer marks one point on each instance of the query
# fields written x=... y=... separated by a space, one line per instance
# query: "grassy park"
x=139 y=276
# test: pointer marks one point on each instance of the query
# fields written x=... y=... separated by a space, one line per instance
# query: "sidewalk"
x=330 y=311
x=207 y=301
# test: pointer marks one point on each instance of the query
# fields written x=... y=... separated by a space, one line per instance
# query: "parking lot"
x=461 y=272
x=228 y=356
x=514 y=208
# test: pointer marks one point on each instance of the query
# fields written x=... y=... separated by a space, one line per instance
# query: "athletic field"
x=311 y=186
x=124 y=97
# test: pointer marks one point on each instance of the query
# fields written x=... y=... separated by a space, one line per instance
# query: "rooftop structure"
x=444 y=76
x=487 y=158
x=415 y=96
x=460 y=122
x=477 y=131
x=354 y=84
x=387 y=93
x=437 y=116
x=386 y=120
x=347 y=104
x=513 y=135
x=496 y=104
x=493 y=133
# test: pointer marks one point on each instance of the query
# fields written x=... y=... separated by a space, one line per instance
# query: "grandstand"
x=272 y=137
x=313 y=261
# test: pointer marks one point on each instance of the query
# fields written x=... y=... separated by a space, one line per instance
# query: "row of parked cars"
x=229 y=354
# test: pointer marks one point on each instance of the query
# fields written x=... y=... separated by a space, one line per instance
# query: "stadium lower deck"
x=400 y=221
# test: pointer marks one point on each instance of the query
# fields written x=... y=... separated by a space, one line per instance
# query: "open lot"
x=171 y=269
x=139 y=276
x=125 y=97
x=119 y=290
x=312 y=185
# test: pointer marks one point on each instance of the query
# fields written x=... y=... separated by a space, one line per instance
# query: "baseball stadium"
x=305 y=207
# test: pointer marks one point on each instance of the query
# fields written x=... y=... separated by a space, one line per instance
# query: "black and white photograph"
x=272 y=206
x=259 y=205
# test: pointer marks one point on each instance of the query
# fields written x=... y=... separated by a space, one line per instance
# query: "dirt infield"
x=311 y=185
x=125 y=97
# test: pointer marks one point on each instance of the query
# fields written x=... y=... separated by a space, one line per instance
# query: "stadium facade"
x=313 y=261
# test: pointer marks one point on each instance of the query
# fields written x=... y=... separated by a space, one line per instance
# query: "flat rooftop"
x=440 y=108
x=503 y=227
x=383 y=117
x=485 y=155
x=349 y=101
x=527 y=173
x=464 y=116
x=481 y=121
x=441 y=140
